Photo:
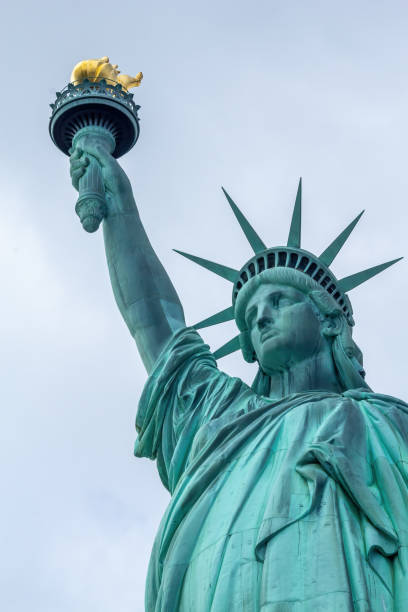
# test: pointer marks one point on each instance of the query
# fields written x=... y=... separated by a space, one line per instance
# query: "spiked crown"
x=291 y=256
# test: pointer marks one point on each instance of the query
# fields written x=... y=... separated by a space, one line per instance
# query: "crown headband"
x=291 y=256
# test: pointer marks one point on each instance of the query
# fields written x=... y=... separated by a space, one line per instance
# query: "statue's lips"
x=268 y=334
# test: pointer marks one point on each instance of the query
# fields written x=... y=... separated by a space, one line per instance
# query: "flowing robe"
x=295 y=505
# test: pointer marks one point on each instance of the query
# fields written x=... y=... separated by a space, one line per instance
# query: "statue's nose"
x=265 y=315
x=264 y=321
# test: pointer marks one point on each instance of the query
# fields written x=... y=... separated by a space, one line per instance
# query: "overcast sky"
x=249 y=96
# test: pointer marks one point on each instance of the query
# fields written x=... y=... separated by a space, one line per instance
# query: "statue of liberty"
x=287 y=496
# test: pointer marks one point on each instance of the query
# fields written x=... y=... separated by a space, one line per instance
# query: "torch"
x=96 y=103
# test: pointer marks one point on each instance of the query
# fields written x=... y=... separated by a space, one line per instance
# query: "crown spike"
x=229 y=347
x=254 y=240
x=350 y=282
x=328 y=256
x=224 y=271
x=296 y=224
x=219 y=317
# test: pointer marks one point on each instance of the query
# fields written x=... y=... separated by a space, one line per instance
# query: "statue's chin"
x=277 y=356
x=272 y=351
x=271 y=364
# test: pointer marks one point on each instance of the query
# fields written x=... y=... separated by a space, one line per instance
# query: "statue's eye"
x=285 y=301
x=274 y=300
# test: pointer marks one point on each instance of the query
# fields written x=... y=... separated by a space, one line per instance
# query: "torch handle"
x=91 y=205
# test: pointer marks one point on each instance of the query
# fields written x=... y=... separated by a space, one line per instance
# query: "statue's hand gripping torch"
x=91 y=205
x=95 y=105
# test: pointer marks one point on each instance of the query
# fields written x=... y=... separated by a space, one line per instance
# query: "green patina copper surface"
x=287 y=496
x=294 y=504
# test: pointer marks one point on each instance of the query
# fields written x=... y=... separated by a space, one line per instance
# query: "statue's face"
x=283 y=326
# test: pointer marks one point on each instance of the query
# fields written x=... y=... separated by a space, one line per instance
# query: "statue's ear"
x=333 y=324
x=246 y=347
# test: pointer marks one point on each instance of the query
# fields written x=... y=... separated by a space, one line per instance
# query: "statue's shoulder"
x=375 y=398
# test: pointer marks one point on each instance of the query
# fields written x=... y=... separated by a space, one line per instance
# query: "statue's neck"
x=316 y=373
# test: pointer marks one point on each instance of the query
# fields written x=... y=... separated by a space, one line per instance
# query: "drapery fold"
x=299 y=504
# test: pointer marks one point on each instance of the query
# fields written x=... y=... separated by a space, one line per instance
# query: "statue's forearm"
x=143 y=291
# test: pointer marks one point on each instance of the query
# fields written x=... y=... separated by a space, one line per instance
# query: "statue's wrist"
x=123 y=213
x=122 y=205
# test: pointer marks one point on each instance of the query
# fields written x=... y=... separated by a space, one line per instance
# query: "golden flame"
x=97 y=69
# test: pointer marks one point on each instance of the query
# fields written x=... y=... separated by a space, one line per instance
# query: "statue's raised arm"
x=143 y=291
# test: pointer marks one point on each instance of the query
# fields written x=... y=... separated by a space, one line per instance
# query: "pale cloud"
x=249 y=97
